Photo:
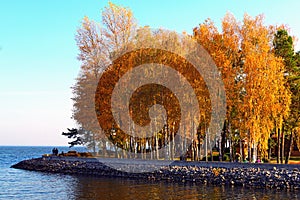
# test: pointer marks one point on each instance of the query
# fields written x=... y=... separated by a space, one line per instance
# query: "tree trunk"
x=116 y=152
x=199 y=149
x=230 y=150
x=241 y=151
x=269 y=148
x=192 y=151
x=230 y=143
x=166 y=146
x=94 y=143
x=172 y=142
x=219 y=147
x=278 y=145
x=193 y=142
x=156 y=140
x=211 y=153
x=206 y=139
x=104 y=148
x=223 y=140
x=156 y=147
x=210 y=147
x=282 y=146
x=249 y=147
x=254 y=157
x=288 y=155
x=150 y=145
x=184 y=144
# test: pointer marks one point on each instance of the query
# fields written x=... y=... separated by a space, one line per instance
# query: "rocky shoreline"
x=212 y=173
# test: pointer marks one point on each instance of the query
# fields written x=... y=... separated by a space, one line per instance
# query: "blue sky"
x=38 y=53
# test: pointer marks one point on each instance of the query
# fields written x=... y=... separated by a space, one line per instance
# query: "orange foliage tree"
x=257 y=99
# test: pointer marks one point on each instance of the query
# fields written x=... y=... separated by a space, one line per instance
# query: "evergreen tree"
x=73 y=134
x=284 y=48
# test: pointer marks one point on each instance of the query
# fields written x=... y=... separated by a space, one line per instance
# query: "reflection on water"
x=117 y=189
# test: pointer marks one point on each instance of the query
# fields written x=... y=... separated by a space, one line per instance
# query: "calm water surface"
x=21 y=184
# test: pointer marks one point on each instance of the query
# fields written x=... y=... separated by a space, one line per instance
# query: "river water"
x=21 y=184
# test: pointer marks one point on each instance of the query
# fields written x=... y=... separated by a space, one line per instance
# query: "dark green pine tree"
x=73 y=134
x=284 y=48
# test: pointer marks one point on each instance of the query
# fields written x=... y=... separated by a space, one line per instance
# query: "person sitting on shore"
x=55 y=151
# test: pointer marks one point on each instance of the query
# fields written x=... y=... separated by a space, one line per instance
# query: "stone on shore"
x=214 y=173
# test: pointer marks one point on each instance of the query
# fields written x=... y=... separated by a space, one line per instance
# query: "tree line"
x=259 y=69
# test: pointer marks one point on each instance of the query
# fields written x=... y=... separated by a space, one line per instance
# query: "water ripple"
x=21 y=184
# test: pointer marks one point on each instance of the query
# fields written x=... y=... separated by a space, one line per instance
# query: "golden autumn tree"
x=96 y=42
x=266 y=101
x=224 y=49
x=257 y=99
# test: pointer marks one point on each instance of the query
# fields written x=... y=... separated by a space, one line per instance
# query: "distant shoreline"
x=278 y=176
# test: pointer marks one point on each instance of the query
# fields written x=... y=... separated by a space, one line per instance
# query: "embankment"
x=215 y=173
